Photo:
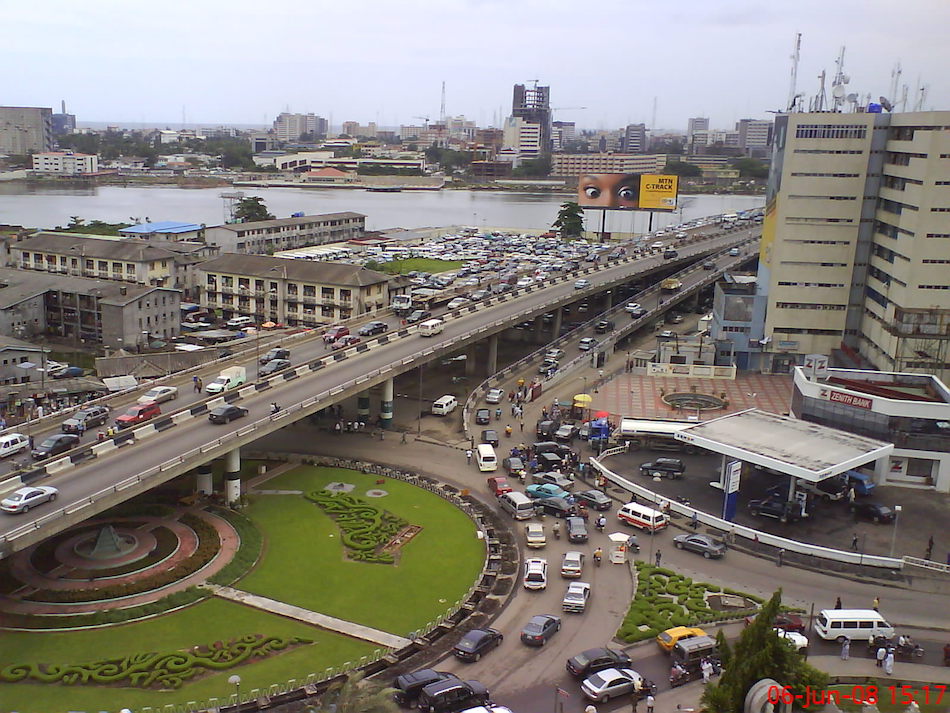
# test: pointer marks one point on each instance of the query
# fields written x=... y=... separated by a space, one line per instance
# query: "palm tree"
x=357 y=695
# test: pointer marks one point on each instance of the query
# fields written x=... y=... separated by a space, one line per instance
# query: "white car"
x=586 y=344
x=799 y=641
x=658 y=245
x=554 y=354
x=525 y=282
x=494 y=396
x=611 y=683
x=572 y=565
x=635 y=309
x=534 y=535
x=158 y=395
x=25 y=498
x=581 y=284
x=457 y=302
x=535 y=574
x=576 y=596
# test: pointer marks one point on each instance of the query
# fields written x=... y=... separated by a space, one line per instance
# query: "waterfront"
x=46 y=208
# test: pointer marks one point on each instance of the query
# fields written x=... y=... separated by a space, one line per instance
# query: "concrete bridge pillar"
x=232 y=476
x=609 y=299
x=204 y=481
x=471 y=353
x=362 y=407
x=539 y=329
x=556 y=327
x=492 y=362
x=386 y=406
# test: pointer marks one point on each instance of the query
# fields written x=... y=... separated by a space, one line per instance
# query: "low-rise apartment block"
x=569 y=164
x=269 y=236
x=65 y=163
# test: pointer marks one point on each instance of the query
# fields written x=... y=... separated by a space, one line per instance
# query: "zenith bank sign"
x=847 y=399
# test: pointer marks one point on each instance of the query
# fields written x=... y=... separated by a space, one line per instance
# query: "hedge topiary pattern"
x=364 y=528
x=665 y=599
x=166 y=670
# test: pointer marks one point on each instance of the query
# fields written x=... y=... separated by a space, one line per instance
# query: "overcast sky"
x=242 y=62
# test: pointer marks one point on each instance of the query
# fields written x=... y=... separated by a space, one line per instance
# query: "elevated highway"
x=95 y=477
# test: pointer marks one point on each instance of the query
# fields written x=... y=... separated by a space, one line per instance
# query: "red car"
x=138 y=414
x=498 y=486
x=335 y=333
x=789 y=622
x=347 y=341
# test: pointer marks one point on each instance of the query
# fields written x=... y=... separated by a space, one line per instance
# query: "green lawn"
x=201 y=624
x=420 y=264
x=303 y=562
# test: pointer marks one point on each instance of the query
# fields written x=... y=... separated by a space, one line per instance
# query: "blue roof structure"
x=165 y=226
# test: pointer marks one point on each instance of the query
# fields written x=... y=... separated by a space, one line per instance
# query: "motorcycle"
x=597 y=558
x=601 y=523
x=909 y=650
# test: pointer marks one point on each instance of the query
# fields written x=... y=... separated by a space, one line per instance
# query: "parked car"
x=593 y=660
x=789 y=622
x=418 y=315
x=540 y=629
x=774 y=508
x=545 y=490
x=158 y=395
x=86 y=418
x=372 y=328
x=667 y=467
x=535 y=573
x=226 y=414
x=612 y=683
x=452 y=695
x=23 y=499
x=275 y=353
x=55 y=444
x=796 y=639
x=477 y=642
x=273 y=366
x=494 y=396
x=576 y=596
x=875 y=512
x=409 y=685
x=482 y=416
x=534 y=535
x=350 y=340
x=586 y=344
x=594 y=499
x=572 y=565
x=701 y=544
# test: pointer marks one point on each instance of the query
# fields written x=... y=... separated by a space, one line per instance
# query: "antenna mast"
x=796 y=55
x=442 y=109
x=653 y=125
x=895 y=82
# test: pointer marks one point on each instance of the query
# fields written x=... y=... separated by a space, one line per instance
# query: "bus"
x=653 y=435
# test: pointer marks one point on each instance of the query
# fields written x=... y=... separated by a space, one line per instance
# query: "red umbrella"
x=602 y=414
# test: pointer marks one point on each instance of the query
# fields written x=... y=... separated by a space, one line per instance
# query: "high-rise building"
x=754 y=134
x=25 y=129
x=63 y=123
x=562 y=133
x=534 y=106
x=635 y=138
x=524 y=136
x=290 y=127
x=856 y=243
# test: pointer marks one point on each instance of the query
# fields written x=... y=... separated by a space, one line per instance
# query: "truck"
x=670 y=284
x=230 y=378
x=401 y=305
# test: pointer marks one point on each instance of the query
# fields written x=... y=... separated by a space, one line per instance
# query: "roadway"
x=203 y=441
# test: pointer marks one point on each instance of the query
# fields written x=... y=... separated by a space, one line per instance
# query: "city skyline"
x=216 y=64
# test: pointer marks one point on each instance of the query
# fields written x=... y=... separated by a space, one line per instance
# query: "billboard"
x=628 y=191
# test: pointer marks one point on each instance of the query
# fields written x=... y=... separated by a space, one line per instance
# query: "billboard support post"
x=603 y=225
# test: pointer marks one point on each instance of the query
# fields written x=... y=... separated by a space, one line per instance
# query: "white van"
x=852 y=624
x=518 y=505
x=239 y=322
x=642 y=517
x=486 y=458
x=444 y=405
x=11 y=443
x=431 y=327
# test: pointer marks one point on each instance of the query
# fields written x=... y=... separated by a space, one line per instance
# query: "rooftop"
x=278 y=222
x=164 y=226
x=889 y=385
x=19 y=285
x=94 y=246
x=800 y=448
x=326 y=273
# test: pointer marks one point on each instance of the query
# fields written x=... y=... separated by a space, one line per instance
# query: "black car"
x=477 y=642
x=275 y=353
x=546 y=429
x=541 y=628
x=410 y=685
x=775 y=508
x=875 y=512
x=452 y=695
x=56 y=444
x=490 y=437
x=591 y=661
x=595 y=499
x=514 y=466
x=273 y=366
x=371 y=328
x=419 y=315
x=483 y=416
x=667 y=467
x=86 y=418
x=558 y=507
x=225 y=414
x=576 y=530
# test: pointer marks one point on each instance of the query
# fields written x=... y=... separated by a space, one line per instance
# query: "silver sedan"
x=25 y=498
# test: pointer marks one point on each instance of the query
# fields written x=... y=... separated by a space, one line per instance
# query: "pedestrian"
x=403 y=439
x=927 y=555
x=468 y=456
x=634 y=700
x=651 y=701
x=881 y=653
x=521 y=425
x=707 y=669
x=846 y=649
x=3 y=424
x=877 y=603
x=194 y=382
x=854 y=542
x=889 y=662
x=838 y=603
x=590 y=709
x=81 y=427
x=658 y=557
x=780 y=557
x=31 y=442
x=200 y=384
x=695 y=521
x=851 y=496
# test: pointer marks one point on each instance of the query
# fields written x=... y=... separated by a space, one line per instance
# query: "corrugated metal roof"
x=164 y=226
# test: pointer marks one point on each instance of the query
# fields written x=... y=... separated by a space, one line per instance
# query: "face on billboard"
x=609 y=190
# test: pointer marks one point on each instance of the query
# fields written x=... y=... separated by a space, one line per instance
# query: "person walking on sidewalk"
x=846 y=649
x=658 y=557
x=854 y=542
x=468 y=456
x=877 y=604
x=651 y=701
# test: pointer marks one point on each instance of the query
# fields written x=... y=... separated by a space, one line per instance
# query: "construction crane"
x=424 y=118
x=567 y=108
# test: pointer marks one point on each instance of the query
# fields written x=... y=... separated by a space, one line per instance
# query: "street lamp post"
x=897 y=514
x=235 y=681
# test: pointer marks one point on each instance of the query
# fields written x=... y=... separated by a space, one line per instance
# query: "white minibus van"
x=518 y=505
x=852 y=624
x=643 y=517
x=431 y=327
x=485 y=457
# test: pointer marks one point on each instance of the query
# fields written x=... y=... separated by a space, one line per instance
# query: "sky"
x=244 y=61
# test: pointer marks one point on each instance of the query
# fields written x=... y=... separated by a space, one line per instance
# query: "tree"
x=682 y=169
x=751 y=168
x=570 y=220
x=533 y=168
x=357 y=695
x=251 y=210
x=760 y=653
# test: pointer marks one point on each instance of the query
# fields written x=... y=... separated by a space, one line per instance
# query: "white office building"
x=65 y=163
